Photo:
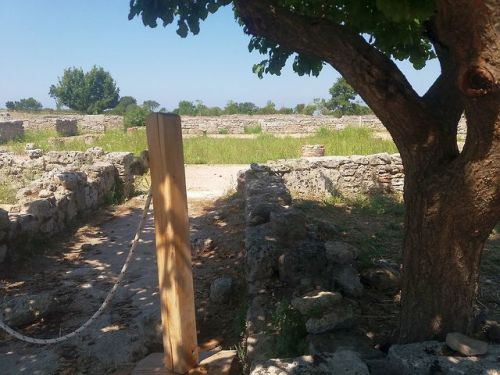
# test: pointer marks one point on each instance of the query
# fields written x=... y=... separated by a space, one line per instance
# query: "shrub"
x=135 y=116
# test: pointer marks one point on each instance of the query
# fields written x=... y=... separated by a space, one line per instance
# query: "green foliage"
x=395 y=27
x=123 y=104
x=135 y=116
x=342 y=100
x=185 y=108
x=150 y=105
x=91 y=92
x=7 y=192
x=28 y=104
x=291 y=331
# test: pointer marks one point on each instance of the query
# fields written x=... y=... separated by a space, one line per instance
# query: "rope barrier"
x=106 y=302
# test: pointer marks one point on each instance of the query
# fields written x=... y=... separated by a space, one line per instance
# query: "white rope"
x=104 y=305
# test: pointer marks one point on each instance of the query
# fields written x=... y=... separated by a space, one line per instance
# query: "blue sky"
x=40 y=38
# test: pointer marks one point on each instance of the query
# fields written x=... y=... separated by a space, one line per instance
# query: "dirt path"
x=77 y=269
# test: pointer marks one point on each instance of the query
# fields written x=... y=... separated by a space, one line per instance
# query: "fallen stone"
x=340 y=318
x=23 y=310
x=429 y=357
x=340 y=363
x=338 y=252
x=221 y=289
x=316 y=302
x=466 y=345
x=34 y=153
x=347 y=362
x=381 y=278
x=346 y=278
x=331 y=342
x=492 y=329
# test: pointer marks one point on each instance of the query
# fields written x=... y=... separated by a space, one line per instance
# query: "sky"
x=41 y=38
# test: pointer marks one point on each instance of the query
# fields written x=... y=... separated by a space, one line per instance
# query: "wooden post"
x=166 y=163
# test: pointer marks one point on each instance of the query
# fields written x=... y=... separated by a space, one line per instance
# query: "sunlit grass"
x=207 y=150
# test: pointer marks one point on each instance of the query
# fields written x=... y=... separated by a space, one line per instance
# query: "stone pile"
x=10 y=130
x=72 y=183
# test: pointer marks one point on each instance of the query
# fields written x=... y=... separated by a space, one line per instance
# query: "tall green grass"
x=207 y=150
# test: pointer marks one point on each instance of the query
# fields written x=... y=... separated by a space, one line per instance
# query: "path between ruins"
x=77 y=269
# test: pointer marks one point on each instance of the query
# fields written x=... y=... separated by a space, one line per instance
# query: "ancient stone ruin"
x=10 y=130
x=70 y=185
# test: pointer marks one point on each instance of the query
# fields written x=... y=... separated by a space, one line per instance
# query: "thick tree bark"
x=452 y=198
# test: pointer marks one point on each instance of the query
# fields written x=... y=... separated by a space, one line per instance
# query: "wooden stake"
x=166 y=163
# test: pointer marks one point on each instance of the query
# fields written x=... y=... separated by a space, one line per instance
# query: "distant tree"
x=151 y=105
x=247 y=108
x=231 y=108
x=299 y=108
x=268 y=109
x=122 y=105
x=27 y=104
x=285 y=111
x=185 y=108
x=342 y=100
x=90 y=92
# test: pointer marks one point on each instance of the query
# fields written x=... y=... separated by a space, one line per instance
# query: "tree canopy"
x=91 y=92
x=452 y=196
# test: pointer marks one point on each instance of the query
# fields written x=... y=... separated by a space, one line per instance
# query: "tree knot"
x=478 y=81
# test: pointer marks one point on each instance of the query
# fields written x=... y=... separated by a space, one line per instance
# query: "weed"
x=291 y=331
x=223 y=131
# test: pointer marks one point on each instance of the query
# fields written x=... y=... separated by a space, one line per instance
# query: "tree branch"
x=372 y=74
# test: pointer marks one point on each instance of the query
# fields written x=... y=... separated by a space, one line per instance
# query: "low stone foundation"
x=345 y=175
x=10 y=130
x=70 y=184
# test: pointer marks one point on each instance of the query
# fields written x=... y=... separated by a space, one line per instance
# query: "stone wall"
x=85 y=123
x=10 y=130
x=344 y=175
x=71 y=184
x=230 y=124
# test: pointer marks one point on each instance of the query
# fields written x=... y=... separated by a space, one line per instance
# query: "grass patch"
x=291 y=331
x=7 y=193
x=252 y=129
x=207 y=150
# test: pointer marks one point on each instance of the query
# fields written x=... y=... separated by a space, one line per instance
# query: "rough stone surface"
x=66 y=184
x=22 y=310
x=492 y=329
x=346 y=278
x=66 y=127
x=382 y=278
x=341 y=363
x=342 y=175
x=341 y=317
x=432 y=357
x=338 y=252
x=342 y=340
x=306 y=260
x=10 y=130
x=221 y=289
x=316 y=302
x=466 y=345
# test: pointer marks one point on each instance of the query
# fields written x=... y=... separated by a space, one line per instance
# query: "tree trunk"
x=441 y=259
